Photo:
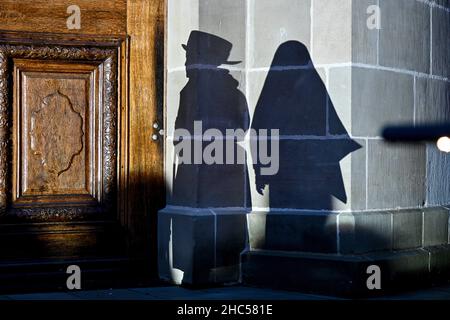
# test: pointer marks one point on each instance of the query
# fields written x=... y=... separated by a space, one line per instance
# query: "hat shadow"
x=207 y=49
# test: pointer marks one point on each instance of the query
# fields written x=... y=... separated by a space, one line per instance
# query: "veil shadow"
x=313 y=139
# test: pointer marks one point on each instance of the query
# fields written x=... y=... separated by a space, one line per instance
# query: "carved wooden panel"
x=55 y=138
x=54 y=111
x=59 y=163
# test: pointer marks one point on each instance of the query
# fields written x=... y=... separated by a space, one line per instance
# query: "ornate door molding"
x=33 y=78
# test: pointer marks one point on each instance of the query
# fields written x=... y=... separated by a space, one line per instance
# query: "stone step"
x=346 y=275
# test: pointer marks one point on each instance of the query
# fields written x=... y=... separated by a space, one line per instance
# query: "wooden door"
x=80 y=177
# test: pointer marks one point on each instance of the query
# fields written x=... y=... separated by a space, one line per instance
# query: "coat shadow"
x=211 y=97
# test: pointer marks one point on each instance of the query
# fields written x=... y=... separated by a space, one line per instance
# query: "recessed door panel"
x=60 y=132
x=56 y=126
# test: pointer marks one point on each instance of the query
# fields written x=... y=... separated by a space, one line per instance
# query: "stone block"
x=315 y=273
x=200 y=247
x=353 y=169
x=402 y=270
x=363 y=232
x=307 y=232
x=183 y=17
x=274 y=23
x=257 y=229
x=239 y=76
x=259 y=201
x=183 y=184
x=231 y=240
x=186 y=246
x=176 y=80
x=293 y=101
x=435 y=224
x=364 y=40
x=221 y=185
x=380 y=98
x=405 y=35
x=438 y=176
x=407 y=229
x=309 y=175
x=323 y=76
x=396 y=175
x=226 y=19
x=432 y=101
x=332 y=31
x=357 y=178
x=341 y=275
x=441 y=42
x=255 y=84
x=340 y=92
x=439 y=262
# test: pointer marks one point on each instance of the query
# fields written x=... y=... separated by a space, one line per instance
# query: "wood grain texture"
x=56 y=133
x=51 y=69
x=130 y=76
x=66 y=240
x=99 y=17
x=73 y=216
x=55 y=111
x=145 y=179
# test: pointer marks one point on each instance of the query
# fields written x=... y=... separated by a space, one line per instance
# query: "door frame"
x=142 y=181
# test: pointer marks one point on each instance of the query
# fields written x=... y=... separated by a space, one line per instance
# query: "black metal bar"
x=424 y=133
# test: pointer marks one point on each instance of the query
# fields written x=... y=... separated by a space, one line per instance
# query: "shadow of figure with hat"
x=211 y=96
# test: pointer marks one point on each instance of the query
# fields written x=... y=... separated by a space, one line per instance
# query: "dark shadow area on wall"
x=312 y=143
x=212 y=97
x=198 y=247
x=314 y=140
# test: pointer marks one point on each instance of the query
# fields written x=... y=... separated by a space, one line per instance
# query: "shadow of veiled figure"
x=313 y=139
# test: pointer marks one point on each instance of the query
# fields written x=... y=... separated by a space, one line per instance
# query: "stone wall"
x=390 y=197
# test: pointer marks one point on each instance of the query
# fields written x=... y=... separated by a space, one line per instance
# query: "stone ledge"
x=293 y=231
x=348 y=232
x=345 y=275
x=298 y=250
x=364 y=232
x=201 y=247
